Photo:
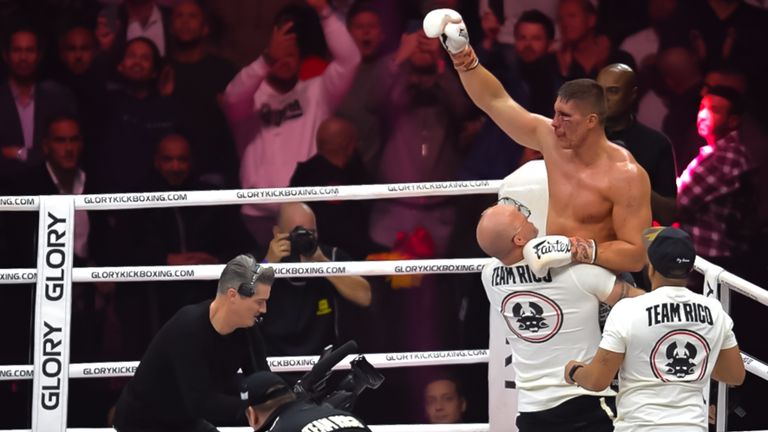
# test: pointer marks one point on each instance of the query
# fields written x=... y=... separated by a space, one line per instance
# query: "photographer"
x=273 y=406
x=303 y=311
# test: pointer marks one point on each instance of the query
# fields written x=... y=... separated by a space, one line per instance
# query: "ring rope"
x=305 y=363
x=139 y=200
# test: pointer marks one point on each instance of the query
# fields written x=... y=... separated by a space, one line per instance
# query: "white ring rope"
x=305 y=363
x=276 y=364
x=357 y=268
x=140 y=200
x=467 y=427
x=213 y=272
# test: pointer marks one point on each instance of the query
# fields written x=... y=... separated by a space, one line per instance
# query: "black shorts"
x=582 y=413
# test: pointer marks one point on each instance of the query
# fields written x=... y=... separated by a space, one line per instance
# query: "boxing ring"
x=55 y=274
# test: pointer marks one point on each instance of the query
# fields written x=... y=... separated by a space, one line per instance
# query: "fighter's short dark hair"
x=535 y=16
x=587 y=91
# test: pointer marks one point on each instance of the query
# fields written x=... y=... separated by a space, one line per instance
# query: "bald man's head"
x=620 y=85
x=337 y=140
x=503 y=231
x=292 y=215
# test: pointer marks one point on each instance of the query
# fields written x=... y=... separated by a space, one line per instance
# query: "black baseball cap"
x=670 y=250
x=262 y=386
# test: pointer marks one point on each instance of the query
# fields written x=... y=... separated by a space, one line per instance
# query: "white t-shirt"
x=553 y=320
x=671 y=339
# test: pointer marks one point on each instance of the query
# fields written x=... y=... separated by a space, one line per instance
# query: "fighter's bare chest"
x=581 y=197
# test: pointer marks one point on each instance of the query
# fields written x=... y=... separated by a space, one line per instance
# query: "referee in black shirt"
x=189 y=372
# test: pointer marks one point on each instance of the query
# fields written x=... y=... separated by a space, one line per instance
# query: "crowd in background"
x=105 y=96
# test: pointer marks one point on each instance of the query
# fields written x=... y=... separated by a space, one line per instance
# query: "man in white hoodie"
x=275 y=116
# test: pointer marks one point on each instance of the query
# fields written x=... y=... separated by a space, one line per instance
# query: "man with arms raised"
x=600 y=196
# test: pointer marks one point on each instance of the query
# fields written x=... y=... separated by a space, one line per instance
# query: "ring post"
x=53 y=299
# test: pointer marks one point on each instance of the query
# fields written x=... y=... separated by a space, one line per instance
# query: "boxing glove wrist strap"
x=466 y=60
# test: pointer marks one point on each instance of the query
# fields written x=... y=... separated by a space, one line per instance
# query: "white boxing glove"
x=447 y=25
x=544 y=253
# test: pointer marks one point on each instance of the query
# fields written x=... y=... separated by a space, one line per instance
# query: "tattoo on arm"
x=583 y=250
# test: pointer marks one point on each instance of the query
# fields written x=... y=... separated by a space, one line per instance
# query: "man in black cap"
x=274 y=407
x=667 y=344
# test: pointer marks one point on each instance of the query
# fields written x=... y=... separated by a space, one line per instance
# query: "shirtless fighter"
x=599 y=196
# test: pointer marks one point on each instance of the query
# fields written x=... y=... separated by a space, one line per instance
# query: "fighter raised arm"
x=600 y=199
x=483 y=88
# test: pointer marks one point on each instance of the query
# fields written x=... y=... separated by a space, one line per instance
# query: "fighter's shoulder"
x=623 y=167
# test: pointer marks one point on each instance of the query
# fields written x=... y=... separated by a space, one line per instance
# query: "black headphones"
x=248 y=289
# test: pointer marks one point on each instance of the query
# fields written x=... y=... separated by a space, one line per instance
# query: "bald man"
x=650 y=148
x=302 y=317
x=550 y=318
x=344 y=223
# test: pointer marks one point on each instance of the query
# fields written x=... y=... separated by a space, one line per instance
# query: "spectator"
x=444 y=401
x=87 y=80
x=531 y=78
x=138 y=118
x=582 y=51
x=672 y=104
x=144 y=18
x=650 y=148
x=302 y=318
x=275 y=117
x=343 y=223
x=426 y=113
x=27 y=104
x=730 y=32
x=59 y=174
x=509 y=12
x=184 y=235
x=198 y=78
x=643 y=45
x=366 y=96
x=711 y=195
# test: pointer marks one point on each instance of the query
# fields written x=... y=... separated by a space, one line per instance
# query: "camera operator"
x=303 y=311
x=274 y=407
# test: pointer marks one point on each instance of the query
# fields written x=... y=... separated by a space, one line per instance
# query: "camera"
x=317 y=385
x=303 y=241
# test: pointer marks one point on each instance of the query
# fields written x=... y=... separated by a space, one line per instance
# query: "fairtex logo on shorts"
x=547 y=247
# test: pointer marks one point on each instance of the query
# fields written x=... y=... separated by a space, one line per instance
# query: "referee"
x=188 y=375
